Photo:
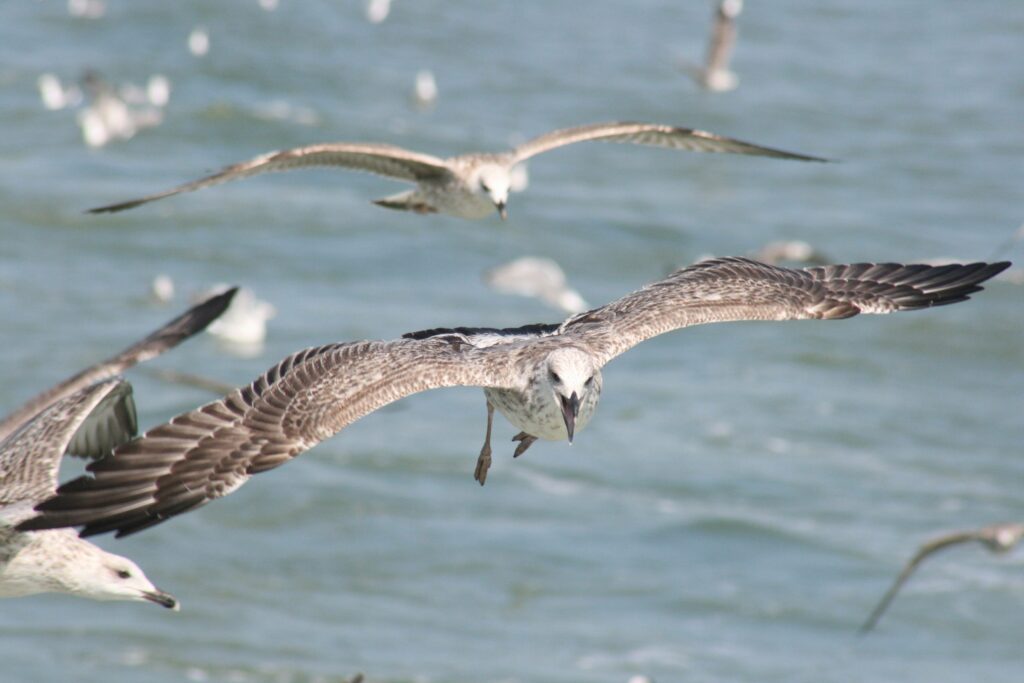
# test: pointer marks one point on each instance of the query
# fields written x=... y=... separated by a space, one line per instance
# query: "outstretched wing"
x=922 y=553
x=386 y=160
x=191 y=322
x=90 y=422
x=727 y=289
x=653 y=134
x=211 y=451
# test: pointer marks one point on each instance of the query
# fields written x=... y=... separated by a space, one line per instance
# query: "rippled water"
x=746 y=492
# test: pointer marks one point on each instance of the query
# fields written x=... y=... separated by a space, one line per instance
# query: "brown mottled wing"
x=727 y=289
x=189 y=323
x=386 y=160
x=652 y=134
x=922 y=553
x=211 y=451
x=30 y=458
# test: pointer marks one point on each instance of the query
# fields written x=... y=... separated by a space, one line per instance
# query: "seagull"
x=167 y=337
x=545 y=379
x=88 y=423
x=715 y=74
x=998 y=538
x=467 y=186
x=537 y=277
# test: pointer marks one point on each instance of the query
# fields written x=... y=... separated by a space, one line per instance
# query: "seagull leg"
x=525 y=441
x=483 y=463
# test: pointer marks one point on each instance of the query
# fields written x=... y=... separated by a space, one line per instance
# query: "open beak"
x=163 y=599
x=502 y=210
x=570 y=409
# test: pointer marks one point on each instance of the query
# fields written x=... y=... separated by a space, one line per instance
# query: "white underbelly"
x=541 y=418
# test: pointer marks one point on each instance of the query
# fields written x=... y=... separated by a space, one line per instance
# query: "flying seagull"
x=998 y=538
x=715 y=75
x=470 y=185
x=88 y=423
x=545 y=379
x=190 y=322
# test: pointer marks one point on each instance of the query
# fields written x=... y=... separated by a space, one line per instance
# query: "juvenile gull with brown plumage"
x=469 y=185
x=545 y=379
x=88 y=423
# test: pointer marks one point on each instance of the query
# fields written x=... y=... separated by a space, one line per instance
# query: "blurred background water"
x=746 y=492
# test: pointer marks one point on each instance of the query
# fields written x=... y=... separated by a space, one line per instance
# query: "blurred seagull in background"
x=109 y=116
x=243 y=326
x=377 y=10
x=55 y=96
x=715 y=74
x=471 y=185
x=545 y=379
x=424 y=92
x=998 y=538
x=537 y=277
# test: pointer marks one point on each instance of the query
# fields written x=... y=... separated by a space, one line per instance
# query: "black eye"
x=554 y=377
x=124 y=574
x=484 y=186
x=589 y=381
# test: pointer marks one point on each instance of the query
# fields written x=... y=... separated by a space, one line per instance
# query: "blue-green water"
x=746 y=492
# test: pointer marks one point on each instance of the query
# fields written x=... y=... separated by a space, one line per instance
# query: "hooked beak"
x=502 y=210
x=163 y=599
x=570 y=409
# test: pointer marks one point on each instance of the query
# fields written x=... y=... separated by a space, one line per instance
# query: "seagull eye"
x=554 y=377
x=484 y=186
x=123 y=574
x=589 y=381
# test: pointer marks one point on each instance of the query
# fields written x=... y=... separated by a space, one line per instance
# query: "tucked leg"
x=483 y=463
x=525 y=441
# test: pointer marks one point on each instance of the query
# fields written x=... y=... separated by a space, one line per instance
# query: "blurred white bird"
x=377 y=10
x=55 y=96
x=424 y=93
x=715 y=75
x=162 y=288
x=536 y=277
x=87 y=9
x=108 y=116
x=243 y=326
x=199 y=41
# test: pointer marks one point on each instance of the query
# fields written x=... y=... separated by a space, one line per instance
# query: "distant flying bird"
x=471 y=185
x=537 y=277
x=545 y=379
x=424 y=92
x=189 y=323
x=998 y=538
x=715 y=74
x=88 y=423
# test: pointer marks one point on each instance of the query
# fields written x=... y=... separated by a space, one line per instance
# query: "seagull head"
x=100 y=575
x=573 y=380
x=494 y=180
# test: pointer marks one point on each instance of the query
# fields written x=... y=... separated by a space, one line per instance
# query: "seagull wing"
x=211 y=451
x=653 y=134
x=191 y=322
x=92 y=422
x=727 y=289
x=922 y=553
x=386 y=160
